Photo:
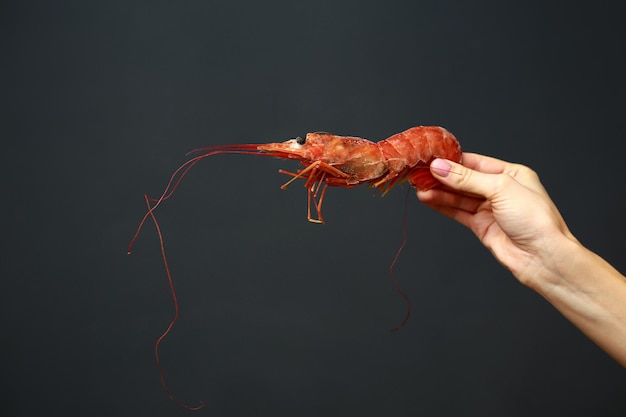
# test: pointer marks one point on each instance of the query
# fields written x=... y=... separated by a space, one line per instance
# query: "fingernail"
x=441 y=167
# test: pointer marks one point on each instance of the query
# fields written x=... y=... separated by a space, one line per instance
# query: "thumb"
x=463 y=179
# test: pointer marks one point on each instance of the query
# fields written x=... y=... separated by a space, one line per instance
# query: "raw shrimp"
x=329 y=160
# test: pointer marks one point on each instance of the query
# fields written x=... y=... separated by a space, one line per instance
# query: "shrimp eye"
x=300 y=140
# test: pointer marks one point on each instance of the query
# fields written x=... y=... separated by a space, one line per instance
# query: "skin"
x=508 y=209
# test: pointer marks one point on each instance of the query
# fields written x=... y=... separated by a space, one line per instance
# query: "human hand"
x=507 y=208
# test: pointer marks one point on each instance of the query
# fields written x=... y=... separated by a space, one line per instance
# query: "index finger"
x=485 y=164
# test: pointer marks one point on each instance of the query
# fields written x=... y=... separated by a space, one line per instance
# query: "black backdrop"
x=100 y=102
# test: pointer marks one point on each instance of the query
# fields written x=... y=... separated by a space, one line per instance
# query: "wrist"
x=556 y=260
x=588 y=291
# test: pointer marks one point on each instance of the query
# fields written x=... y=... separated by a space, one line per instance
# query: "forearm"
x=589 y=292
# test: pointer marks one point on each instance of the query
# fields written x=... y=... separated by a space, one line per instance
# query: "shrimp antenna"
x=174 y=319
x=393 y=263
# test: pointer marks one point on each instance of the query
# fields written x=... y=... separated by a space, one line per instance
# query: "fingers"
x=521 y=173
x=437 y=198
x=454 y=205
x=465 y=179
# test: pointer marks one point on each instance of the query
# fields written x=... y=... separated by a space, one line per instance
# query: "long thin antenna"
x=174 y=319
x=395 y=259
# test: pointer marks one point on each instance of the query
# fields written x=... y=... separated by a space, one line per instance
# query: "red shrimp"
x=329 y=160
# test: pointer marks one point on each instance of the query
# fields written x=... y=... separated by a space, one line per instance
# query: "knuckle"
x=523 y=171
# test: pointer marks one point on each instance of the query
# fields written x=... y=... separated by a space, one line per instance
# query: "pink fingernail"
x=441 y=167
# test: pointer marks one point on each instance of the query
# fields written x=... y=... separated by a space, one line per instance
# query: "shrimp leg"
x=316 y=175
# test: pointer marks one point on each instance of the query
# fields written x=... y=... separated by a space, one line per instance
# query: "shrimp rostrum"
x=345 y=161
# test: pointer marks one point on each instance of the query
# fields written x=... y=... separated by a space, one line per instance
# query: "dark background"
x=280 y=317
